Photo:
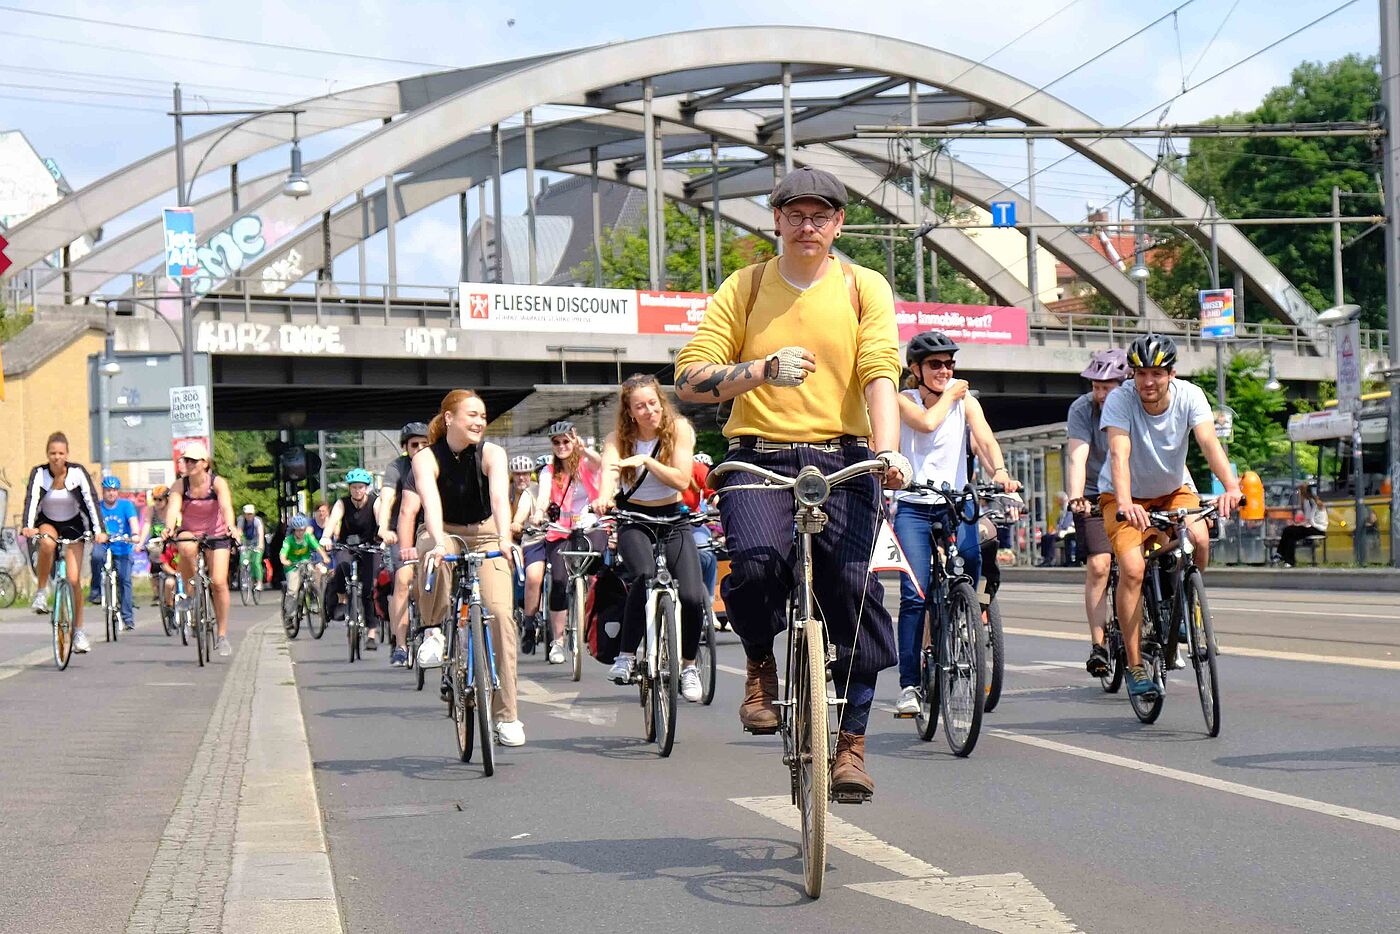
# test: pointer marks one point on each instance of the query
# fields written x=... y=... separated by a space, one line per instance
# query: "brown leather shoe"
x=848 y=775
x=757 y=713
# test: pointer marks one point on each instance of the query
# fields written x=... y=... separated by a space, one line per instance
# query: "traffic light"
x=313 y=471
x=294 y=463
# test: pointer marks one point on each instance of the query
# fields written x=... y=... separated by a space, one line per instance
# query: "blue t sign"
x=1003 y=213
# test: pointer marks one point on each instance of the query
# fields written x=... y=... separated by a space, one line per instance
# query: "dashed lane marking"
x=1383 y=664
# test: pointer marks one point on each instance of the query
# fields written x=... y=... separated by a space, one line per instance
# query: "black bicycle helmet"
x=412 y=430
x=1152 y=350
x=929 y=343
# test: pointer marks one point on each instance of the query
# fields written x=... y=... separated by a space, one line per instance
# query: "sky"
x=94 y=97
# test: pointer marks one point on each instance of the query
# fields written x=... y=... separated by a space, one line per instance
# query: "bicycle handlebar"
x=776 y=481
x=1168 y=519
x=477 y=556
x=63 y=542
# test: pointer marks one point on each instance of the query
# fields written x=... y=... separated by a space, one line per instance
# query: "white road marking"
x=1384 y=664
x=169 y=684
x=844 y=836
x=520 y=836
x=1223 y=603
x=532 y=692
x=1383 y=821
x=1007 y=903
x=24 y=662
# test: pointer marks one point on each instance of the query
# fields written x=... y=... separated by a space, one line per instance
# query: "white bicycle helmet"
x=703 y=458
x=521 y=464
x=560 y=428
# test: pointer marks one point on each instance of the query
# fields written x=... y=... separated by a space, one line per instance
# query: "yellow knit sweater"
x=850 y=353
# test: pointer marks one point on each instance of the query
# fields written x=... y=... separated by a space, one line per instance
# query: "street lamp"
x=1139 y=273
x=1340 y=316
x=296 y=186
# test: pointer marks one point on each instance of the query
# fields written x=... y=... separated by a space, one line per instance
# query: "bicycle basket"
x=579 y=541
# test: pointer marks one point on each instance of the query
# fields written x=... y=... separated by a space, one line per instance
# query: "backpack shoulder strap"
x=755 y=283
x=852 y=290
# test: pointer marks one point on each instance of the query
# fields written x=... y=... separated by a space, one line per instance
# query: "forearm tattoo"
x=709 y=378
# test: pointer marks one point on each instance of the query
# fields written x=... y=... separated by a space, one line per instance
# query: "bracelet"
x=1001 y=469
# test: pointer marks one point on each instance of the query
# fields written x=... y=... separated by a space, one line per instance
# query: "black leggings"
x=340 y=583
x=634 y=545
x=1290 y=537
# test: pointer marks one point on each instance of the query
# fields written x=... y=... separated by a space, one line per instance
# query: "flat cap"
x=809 y=183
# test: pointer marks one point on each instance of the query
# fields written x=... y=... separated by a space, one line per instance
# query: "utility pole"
x=186 y=310
x=1139 y=238
x=915 y=187
x=1336 y=246
x=1215 y=284
x=1390 y=107
x=1358 y=473
x=1032 y=242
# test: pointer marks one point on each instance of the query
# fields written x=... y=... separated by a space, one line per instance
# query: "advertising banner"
x=181 y=243
x=1348 y=340
x=189 y=412
x=966 y=324
x=1217 y=314
x=490 y=307
x=670 y=312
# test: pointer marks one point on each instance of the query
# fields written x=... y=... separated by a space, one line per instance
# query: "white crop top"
x=652 y=490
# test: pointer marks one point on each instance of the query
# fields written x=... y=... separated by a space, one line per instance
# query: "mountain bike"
x=304 y=603
x=470 y=667
x=61 y=612
x=805 y=712
x=1174 y=603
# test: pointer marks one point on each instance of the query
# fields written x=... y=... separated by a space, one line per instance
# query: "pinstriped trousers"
x=759 y=536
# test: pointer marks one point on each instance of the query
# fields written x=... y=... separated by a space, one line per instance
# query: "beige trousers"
x=497 y=594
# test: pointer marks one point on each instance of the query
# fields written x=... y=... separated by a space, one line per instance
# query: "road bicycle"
x=199 y=605
x=807 y=718
x=657 y=668
x=61 y=612
x=8 y=591
x=248 y=587
x=581 y=561
x=1174 y=605
x=303 y=604
x=355 y=623
x=111 y=597
x=469 y=674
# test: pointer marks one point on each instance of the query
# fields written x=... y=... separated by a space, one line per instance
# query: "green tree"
x=625 y=263
x=234 y=453
x=1260 y=440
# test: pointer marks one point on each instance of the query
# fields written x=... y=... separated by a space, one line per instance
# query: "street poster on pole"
x=1217 y=314
x=181 y=243
x=1348 y=340
x=189 y=412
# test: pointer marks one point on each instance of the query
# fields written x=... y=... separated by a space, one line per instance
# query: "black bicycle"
x=302 y=605
x=705 y=658
x=998 y=509
x=952 y=660
x=581 y=562
x=355 y=623
x=1174 y=606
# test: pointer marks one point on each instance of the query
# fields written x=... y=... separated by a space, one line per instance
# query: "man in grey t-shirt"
x=1149 y=423
x=1087 y=451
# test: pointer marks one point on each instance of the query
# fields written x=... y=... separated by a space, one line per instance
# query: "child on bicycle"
x=298 y=548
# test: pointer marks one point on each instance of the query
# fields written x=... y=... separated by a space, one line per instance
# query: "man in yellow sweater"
x=808 y=350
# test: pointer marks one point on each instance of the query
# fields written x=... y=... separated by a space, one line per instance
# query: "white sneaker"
x=690 y=684
x=556 y=652
x=434 y=646
x=510 y=733
x=621 y=670
x=80 y=641
x=908 y=701
x=40 y=604
x=223 y=648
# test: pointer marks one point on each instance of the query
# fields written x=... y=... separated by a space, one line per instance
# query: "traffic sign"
x=1003 y=213
x=4 y=260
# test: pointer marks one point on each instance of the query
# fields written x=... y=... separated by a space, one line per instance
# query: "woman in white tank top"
x=940 y=423
x=648 y=460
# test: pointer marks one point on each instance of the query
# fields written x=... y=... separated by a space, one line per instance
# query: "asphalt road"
x=1070 y=815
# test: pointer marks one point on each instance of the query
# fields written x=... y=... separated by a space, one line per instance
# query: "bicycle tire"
x=254 y=584
x=812 y=738
x=61 y=619
x=926 y=717
x=7 y=590
x=197 y=622
x=180 y=618
x=575 y=630
x=110 y=608
x=291 y=613
x=668 y=675
x=962 y=672
x=705 y=657
x=1117 y=660
x=315 y=611
x=352 y=634
x=207 y=614
x=167 y=613
x=482 y=688
x=1201 y=636
x=994 y=655
x=245 y=581
x=644 y=689
x=464 y=726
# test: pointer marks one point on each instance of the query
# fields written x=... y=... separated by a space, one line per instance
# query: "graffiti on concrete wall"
x=250 y=337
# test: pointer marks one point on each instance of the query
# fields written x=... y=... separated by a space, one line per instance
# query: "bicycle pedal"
x=904 y=716
x=757 y=732
x=850 y=797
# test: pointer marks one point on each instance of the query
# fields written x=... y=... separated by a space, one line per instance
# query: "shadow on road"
x=1347 y=758
x=1128 y=727
x=444 y=768
x=750 y=872
x=627 y=748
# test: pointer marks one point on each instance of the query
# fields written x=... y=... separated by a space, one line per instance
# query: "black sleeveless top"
x=358 y=526
x=461 y=484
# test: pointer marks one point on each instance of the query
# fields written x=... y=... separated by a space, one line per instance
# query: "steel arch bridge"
x=432 y=134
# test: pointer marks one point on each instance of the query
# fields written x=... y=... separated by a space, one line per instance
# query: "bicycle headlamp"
x=811 y=488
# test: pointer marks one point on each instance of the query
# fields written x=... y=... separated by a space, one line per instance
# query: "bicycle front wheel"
x=482 y=688
x=812 y=739
x=1201 y=635
x=1117 y=662
x=291 y=613
x=197 y=612
x=577 y=603
x=926 y=717
x=962 y=671
x=668 y=673
x=993 y=655
x=245 y=582
x=61 y=617
x=705 y=657
x=7 y=590
x=461 y=711
x=110 y=608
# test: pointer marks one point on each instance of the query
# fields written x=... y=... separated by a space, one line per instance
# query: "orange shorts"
x=1123 y=537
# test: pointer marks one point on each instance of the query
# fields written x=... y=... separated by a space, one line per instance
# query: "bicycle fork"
x=489 y=648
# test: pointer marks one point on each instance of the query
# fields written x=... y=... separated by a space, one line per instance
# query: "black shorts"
x=68 y=528
x=1091 y=539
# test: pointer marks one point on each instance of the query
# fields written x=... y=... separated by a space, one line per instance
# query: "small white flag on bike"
x=888 y=556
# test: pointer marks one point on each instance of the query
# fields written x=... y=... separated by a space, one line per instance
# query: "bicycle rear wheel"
x=812 y=737
x=1201 y=635
x=8 y=591
x=180 y=618
x=61 y=618
x=292 y=604
x=316 y=610
x=668 y=674
x=196 y=612
x=460 y=708
x=962 y=671
x=110 y=605
x=482 y=688
x=705 y=657
x=993 y=655
x=926 y=717
x=577 y=603
x=207 y=613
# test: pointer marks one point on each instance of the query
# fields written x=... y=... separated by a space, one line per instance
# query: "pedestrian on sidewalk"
x=1314 y=525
